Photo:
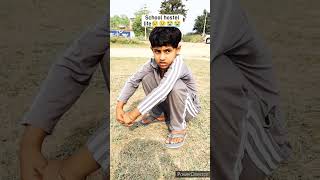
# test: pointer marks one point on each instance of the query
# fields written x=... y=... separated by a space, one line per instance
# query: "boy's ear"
x=179 y=48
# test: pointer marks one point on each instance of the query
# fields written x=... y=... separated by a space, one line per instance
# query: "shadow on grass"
x=144 y=159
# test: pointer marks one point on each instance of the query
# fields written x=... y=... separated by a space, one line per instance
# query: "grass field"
x=118 y=45
x=139 y=153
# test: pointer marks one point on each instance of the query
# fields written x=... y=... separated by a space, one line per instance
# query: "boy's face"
x=165 y=55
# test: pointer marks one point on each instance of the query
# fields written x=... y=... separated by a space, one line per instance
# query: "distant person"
x=169 y=85
x=249 y=136
x=67 y=79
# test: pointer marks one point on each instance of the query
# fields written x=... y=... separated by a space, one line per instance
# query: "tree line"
x=166 y=7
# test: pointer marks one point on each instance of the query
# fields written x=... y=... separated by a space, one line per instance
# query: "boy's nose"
x=162 y=56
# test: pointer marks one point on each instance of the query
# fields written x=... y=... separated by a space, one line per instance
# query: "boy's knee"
x=179 y=88
x=226 y=76
x=147 y=79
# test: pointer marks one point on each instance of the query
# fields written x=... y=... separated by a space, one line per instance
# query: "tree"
x=138 y=29
x=199 y=23
x=117 y=21
x=173 y=7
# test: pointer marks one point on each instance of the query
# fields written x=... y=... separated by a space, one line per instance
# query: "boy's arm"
x=68 y=78
x=120 y=112
x=232 y=27
x=65 y=82
x=160 y=93
x=92 y=156
x=236 y=38
x=133 y=82
x=32 y=162
x=128 y=90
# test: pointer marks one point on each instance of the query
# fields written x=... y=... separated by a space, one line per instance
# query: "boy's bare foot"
x=148 y=119
x=175 y=140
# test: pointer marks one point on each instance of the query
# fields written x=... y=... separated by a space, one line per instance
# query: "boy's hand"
x=76 y=167
x=120 y=112
x=119 y=115
x=52 y=171
x=32 y=162
x=127 y=119
x=130 y=117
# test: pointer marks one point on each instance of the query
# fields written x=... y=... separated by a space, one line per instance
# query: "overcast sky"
x=129 y=7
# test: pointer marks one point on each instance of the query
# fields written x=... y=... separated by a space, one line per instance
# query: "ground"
x=139 y=152
x=33 y=34
x=291 y=30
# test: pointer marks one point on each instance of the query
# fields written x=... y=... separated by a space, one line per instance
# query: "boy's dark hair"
x=165 y=36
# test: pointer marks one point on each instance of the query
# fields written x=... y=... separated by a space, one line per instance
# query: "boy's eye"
x=156 y=51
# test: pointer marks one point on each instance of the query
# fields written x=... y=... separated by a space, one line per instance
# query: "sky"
x=129 y=7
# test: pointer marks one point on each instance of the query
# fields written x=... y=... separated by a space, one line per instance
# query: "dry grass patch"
x=140 y=153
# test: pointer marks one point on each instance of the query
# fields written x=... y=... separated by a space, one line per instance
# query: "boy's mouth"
x=162 y=64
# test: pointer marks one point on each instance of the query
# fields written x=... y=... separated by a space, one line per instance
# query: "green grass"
x=140 y=153
x=194 y=38
x=117 y=45
x=121 y=42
